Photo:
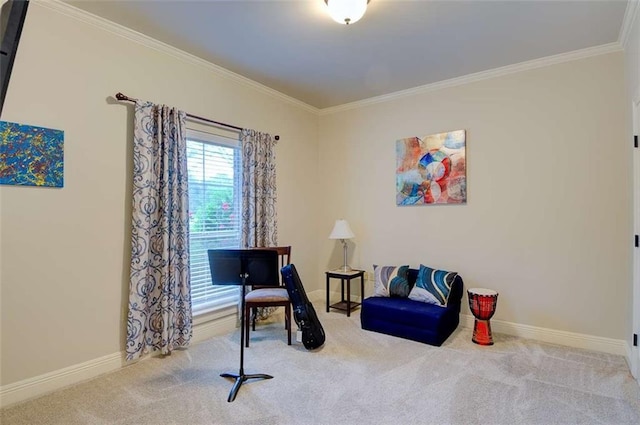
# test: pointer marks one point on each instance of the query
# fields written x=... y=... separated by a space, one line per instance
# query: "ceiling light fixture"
x=346 y=11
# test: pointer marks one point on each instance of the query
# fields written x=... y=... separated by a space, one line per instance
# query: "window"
x=214 y=173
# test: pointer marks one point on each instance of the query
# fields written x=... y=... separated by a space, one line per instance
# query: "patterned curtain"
x=259 y=221
x=159 y=315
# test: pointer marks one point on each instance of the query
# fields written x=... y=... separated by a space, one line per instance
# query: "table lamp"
x=342 y=231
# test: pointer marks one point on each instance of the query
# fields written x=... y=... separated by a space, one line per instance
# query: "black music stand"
x=243 y=267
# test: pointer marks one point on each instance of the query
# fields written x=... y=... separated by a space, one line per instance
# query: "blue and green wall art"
x=31 y=156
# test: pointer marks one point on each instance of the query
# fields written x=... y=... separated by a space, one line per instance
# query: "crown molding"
x=480 y=76
x=119 y=30
x=129 y=34
x=630 y=16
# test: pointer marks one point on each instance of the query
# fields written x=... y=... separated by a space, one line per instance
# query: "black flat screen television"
x=228 y=266
x=12 y=16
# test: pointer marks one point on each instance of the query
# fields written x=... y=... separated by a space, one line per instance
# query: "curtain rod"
x=126 y=98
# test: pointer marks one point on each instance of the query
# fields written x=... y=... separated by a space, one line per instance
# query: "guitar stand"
x=240 y=377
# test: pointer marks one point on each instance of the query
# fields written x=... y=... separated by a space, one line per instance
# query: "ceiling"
x=294 y=47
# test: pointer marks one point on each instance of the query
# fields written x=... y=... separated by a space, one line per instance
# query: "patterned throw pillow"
x=432 y=286
x=391 y=281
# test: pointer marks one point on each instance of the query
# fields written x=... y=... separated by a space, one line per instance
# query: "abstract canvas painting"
x=31 y=156
x=431 y=169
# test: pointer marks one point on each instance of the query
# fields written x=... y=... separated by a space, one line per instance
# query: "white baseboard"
x=553 y=336
x=225 y=323
x=39 y=385
x=219 y=326
x=319 y=297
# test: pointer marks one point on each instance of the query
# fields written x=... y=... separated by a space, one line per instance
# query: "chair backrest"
x=284 y=255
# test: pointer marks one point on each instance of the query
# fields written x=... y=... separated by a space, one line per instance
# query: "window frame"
x=220 y=298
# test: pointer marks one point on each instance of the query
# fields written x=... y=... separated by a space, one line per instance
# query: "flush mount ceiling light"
x=346 y=11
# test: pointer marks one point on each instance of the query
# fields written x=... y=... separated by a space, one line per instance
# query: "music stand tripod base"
x=227 y=260
x=240 y=378
x=224 y=266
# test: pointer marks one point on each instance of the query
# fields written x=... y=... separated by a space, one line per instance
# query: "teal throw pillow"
x=391 y=281
x=432 y=286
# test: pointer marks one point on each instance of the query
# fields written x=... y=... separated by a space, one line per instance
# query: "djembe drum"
x=482 y=303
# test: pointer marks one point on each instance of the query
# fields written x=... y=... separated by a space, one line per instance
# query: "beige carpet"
x=358 y=377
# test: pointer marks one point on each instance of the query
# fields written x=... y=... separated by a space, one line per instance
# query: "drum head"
x=482 y=292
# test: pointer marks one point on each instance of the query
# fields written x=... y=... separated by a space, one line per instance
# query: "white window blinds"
x=214 y=172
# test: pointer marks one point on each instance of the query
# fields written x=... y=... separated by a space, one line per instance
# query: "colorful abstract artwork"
x=31 y=156
x=432 y=169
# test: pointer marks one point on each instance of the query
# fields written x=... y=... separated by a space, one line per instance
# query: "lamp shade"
x=346 y=11
x=341 y=230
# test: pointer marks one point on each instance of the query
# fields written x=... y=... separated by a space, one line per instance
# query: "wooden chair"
x=269 y=297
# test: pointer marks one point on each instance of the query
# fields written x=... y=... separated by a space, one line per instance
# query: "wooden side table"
x=345 y=305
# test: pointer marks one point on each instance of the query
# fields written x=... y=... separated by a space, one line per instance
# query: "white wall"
x=65 y=252
x=547 y=221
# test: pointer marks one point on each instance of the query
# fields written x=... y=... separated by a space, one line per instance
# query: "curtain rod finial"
x=124 y=97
